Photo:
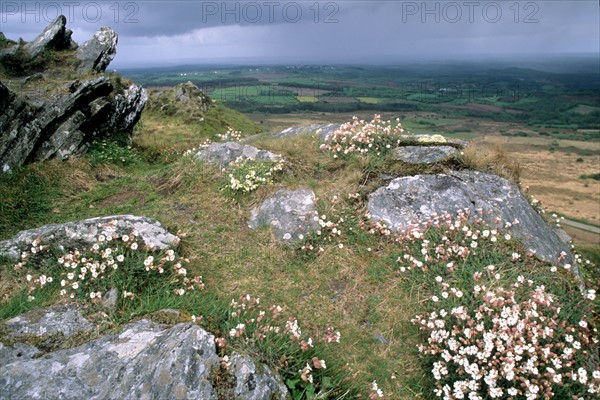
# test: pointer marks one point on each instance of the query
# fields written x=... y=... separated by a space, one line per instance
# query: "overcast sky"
x=350 y=31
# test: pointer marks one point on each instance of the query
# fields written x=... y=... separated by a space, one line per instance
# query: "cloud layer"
x=175 y=32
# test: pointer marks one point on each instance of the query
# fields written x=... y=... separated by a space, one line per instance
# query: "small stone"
x=110 y=299
x=254 y=385
x=380 y=338
x=64 y=319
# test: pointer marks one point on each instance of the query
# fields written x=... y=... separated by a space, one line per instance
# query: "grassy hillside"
x=356 y=277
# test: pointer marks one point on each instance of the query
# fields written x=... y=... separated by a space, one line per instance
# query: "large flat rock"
x=85 y=233
x=223 y=154
x=424 y=154
x=414 y=199
x=145 y=361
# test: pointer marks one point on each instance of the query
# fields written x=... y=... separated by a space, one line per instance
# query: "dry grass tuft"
x=495 y=160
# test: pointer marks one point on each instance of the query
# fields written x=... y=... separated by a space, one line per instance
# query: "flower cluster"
x=191 y=152
x=458 y=239
x=340 y=225
x=361 y=137
x=492 y=332
x=230 y=136
x=111 y=152
x=247 y=175
x=376 y=393
x=112 y=261
x=508 y=348
x=259 y=327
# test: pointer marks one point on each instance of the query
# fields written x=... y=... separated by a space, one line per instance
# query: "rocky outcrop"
x=84 y=233
x=414 y=199
x=289 y=214
x=182 y=357
x=223 y=154
x=95 y=54
x=56 y=36
x=62 y=122
x=323 y=131
x=423 y=154
x=185 y=100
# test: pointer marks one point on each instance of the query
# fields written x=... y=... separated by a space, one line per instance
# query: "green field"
x=307 y=99
x=543 y=100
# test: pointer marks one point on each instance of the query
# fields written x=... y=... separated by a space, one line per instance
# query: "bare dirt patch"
x=553 y=177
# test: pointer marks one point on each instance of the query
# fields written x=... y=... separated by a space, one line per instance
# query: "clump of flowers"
x=112 y=152
x=246 y=175
x=342 y=224
x=264 y=329
x=230 y=136
x=119 y=261
x=508 y=348
x=191 y=152
x=362 y=137
x=376 y=393
x=502 y=324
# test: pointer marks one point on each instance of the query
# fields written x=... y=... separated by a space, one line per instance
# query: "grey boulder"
x=84 y=233
x=423 y=154
x=323 y=131
x=289 y=214
x=254 y=383
x=55 y=36
x=59 y=319
x=145 y=361
x=411 y=200
x=96 y=53
x=223 y=154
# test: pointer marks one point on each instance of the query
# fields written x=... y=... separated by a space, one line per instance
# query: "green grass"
x=358 y=287
x=307 y=99
x=595 y=177
x=177 y=134
x=369 y=100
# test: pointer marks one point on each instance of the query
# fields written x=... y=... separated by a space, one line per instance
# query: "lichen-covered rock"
x=414 y=199
x=65 y=128
x=85 y=232
x=423 y=154
x=55 y=36
x=61 y=121
x=289 y=214
x=145 y=361
x=60 y=319
x=223 y=154
x=322 y=131
x=254 y=383
x=98 y=52
x=434 y=139
x=128 y=107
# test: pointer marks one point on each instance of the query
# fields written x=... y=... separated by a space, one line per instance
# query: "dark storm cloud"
x=318 y=31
